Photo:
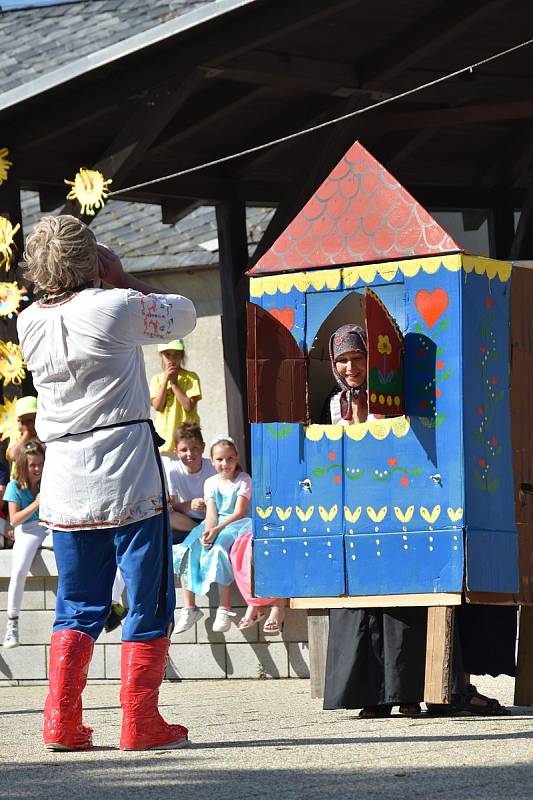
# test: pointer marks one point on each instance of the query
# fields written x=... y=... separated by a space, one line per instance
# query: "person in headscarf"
x=375 y=656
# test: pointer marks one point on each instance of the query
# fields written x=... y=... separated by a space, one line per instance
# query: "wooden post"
x=523 y=690
x=439 y=653
x=233 y=257
x=318 y=631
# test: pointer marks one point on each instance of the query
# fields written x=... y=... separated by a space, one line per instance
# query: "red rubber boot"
x=143 y=728
x=70 y=656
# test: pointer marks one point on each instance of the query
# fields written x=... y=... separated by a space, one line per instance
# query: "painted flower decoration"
x=7 y=241
x=8 y=419
x=90 y=189
x=12 y=366
x=11 y=296
x=384 y=345
x=4 y=164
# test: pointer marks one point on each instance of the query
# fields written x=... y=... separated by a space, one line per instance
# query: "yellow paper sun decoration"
x=7 y=241
x=8 y=419
x=90 y=189
x=12 y=366
x=11 y=296
x=4 y=164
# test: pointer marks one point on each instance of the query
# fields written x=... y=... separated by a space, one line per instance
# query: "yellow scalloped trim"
x=378 y=428
x=349 y=276
x=316 y=432
x=488 y=266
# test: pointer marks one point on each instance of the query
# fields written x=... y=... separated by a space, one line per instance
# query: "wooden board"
x=318 y=632
x=377 y=601
x=523 y=690
x=439 y=653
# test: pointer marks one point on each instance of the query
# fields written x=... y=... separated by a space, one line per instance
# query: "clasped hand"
x=209 y=535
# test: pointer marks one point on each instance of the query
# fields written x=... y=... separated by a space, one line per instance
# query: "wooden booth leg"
x=523 y=688
x=439 y=652
x=318 y=630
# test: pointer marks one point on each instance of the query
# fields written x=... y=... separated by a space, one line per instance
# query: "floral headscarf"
x=345 y=339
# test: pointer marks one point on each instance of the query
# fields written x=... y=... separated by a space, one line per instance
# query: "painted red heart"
x=284 y=315
x=431 y=305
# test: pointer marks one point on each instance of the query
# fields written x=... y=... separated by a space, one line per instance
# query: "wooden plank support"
x=377 y=601
x=233 y=259
x=523 y=691
x=318 y=632
x=439 y=654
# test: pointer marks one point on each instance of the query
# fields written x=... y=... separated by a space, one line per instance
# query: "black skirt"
x=377 y=656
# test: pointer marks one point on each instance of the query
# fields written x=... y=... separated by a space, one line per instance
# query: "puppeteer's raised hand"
x=110 y=267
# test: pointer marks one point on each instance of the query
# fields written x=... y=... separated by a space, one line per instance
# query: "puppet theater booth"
x=431 y=503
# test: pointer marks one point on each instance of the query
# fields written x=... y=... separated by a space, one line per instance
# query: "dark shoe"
x=116 y=615
x=375 y=712
x=410 y=709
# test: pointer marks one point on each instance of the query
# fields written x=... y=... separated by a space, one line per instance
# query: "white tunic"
x=88 y=370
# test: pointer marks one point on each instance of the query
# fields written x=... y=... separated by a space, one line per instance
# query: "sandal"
x=489 y=707
x=273 y=627
x=375 y=712
x=410 y=709
x=249 y=622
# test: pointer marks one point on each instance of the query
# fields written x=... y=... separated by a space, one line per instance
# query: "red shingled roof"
x=360 y=214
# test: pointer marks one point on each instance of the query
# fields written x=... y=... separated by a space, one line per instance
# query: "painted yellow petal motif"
x=4 y=164
x=264 y=513
x=404 y=516
x=326 y=515
x=329 y=278
x=352 y=516
x=7 y=241
x=90 y=189
x=378 y=428
x=430 y=516
x=304 y=516
x=376 y=516
x=455 y=514
x=283 y=514
x=488 y=266
x=12 y=366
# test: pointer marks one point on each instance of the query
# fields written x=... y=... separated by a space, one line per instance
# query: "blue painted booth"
x=420 y=502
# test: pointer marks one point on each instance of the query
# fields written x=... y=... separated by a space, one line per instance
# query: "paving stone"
x=33 y=597
x=23 y=663
x=257 y=660
x=298 y=660
x=196 y=661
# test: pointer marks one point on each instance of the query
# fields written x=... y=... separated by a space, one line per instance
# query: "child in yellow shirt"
x=174 y=393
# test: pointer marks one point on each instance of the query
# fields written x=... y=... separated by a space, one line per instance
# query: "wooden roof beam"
x=429 y=33
x=139 y=133
x=293 y=72
x=461 y=115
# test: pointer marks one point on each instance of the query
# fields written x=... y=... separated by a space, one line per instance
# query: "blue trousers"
x=87 y=563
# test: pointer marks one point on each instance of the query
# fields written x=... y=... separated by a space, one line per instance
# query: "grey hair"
x=60 y=254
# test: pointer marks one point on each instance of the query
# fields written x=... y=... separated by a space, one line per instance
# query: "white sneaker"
x=187 y=618
x=12 y=634
x=222 y=621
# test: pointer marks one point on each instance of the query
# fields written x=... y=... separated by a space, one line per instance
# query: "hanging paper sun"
x=90 y=189
x=8 y=419
x=12 y=366
x=7 y=241
x=4 y=164
x=11 y=296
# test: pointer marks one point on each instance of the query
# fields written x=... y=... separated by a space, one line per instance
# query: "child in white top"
x=186 y=476
x=227 y=496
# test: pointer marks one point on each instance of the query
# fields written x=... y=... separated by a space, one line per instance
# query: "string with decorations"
x=12 y=296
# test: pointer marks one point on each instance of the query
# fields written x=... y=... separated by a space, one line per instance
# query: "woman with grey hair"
x=101 y=490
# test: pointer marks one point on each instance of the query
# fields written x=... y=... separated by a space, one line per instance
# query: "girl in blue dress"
x=206 y=549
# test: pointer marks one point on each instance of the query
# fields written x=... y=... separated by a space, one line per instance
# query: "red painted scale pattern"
x=360 y=214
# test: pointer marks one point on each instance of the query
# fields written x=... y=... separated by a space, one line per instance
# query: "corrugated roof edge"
x=116 y=51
